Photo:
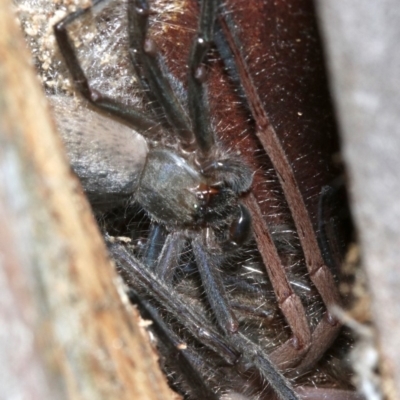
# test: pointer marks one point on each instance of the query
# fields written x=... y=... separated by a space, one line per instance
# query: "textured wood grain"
x=65 y=329
x=362 y=49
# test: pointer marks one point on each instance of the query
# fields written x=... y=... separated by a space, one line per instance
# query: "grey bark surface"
x=65 y=330
x=362 y=43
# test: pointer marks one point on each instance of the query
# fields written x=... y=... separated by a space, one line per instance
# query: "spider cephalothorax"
x=176 y=193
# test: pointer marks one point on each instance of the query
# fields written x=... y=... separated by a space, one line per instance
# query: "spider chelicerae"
x=201 y=211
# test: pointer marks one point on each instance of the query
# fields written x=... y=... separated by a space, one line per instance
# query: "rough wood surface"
x=362 y=48
x=65 y=332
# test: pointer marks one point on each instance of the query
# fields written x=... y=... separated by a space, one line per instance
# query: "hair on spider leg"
x=211 y=370
x=198 y=200
x=236 y=354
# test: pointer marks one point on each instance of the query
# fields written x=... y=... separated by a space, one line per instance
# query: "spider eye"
x=240 y=229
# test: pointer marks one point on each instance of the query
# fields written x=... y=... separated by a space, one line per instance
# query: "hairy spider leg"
x=198 y=106
x=208 y=266
x=196 y=132
x=238 y=350
x=320 y=275
x=138 y=276
x=289 y=302
x=154 y=243
x=187 y=361
x=168 y=259
x=143 y=51
x=133 y=117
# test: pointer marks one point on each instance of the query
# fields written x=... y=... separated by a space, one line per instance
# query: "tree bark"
x=67 y=329
x=364 y=61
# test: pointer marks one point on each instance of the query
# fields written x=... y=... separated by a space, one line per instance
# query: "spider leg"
x=143 y=51
x=324 y=334
x=319 y=273
x=133 y=117
x=162 y=252
x=207 y=265
x=289 y=302
x=188 y=362
x=138 y=276
x=215 y=290
x=266 y=315
x=154 y=245
x=169 y=257
x=238 y=350
x=198 y=107
x=257 y=357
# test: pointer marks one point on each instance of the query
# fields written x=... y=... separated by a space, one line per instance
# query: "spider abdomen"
x=108 y=157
